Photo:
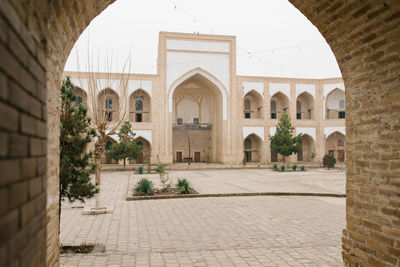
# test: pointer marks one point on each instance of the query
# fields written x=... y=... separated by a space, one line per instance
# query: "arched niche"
x=108 y=105
x=336 y=104
x=305 y=106
x=279 y=104
x=139 y=106
x=253 y=105
x=336 y=145
x=307 y=148
x=252 y=148
x=197 y=118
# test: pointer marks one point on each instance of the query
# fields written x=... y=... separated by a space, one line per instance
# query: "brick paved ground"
x=232 y=231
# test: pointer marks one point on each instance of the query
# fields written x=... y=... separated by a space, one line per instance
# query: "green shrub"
x=302 y=168
x=208 y=157
x=283 y=168
x=160 y=168
x=329 y=161
x=184 y=186
x=244 y=161
x=144 y=187
x=294 y=167
x=140 y=170
x=275 y=167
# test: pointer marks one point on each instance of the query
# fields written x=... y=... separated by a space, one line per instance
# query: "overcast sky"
x=273 y=38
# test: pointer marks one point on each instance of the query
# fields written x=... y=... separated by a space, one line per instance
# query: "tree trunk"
x=124 y=162
x=98 y=180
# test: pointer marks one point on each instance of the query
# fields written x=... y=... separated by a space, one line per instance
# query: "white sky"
x=291 y=45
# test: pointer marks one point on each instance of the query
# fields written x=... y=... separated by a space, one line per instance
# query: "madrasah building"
x=197 y=98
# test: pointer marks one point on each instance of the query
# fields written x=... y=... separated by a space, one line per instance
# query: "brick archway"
x=35 y=39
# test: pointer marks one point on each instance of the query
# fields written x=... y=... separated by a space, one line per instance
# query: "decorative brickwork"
x=35 y=39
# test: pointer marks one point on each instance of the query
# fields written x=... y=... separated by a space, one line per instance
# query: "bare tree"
x=107 y=109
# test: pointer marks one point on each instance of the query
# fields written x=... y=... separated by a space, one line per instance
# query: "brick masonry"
x=35 y=39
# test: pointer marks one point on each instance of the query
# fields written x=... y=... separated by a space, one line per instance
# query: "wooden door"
x=340 y=155
x=197 y=156
x=179 y=156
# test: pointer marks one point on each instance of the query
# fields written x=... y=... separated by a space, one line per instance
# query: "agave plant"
x=144 y=187
x=184 y=186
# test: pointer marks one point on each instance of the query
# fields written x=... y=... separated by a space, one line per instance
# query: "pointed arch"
x=199 y=71
x=305 y=106
x=139 y=106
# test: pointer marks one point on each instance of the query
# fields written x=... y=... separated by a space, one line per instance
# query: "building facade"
x=196 y=98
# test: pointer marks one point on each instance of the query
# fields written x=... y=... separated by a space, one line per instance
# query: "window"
x=139 y=105
x=247 y=115
x=342 y=114
x=247 y=104
x=340 y=142
x=108 y=104
x=139 y=117
x=139 y=144
x=108 y=145
x=247 y=144
x=273 y=109
x=180 y=121
x=298 y=108
x=196 y=120
x=108 y=107
x=78 y=100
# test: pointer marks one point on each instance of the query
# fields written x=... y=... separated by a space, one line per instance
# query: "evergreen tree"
x=75 y=134
x=283 y=142
x=127 y=147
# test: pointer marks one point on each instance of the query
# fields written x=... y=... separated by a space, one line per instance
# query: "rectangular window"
x=342 y=114
x=247 y=115
x=298 y=116
x=139 y=117
x=180 y=121
x=195 y=120
x=273 y=115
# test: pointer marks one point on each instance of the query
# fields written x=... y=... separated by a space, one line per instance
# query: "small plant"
x=149 y=168
x=313 y=155
x=144 y=187
x=283 y=168
x=165 y=182
x=184 y=186
x=294 y=167
x=160 y=168
x=275 y=167
x=302 y=168
x=329 y=161
x=140 y=170
x=244 y=161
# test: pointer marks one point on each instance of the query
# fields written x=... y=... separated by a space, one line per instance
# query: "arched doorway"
x=307 y=148
x=279 y=105
x=335 y=145
x=336 y=105
x=139 y=106
x=146 y=151
x=305 y=106
x=253 y=105
x=108 y=101
x=252 y=148
x=197 y=120
x=106 y=159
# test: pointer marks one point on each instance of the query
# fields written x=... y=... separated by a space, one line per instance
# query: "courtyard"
x=223 y=231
